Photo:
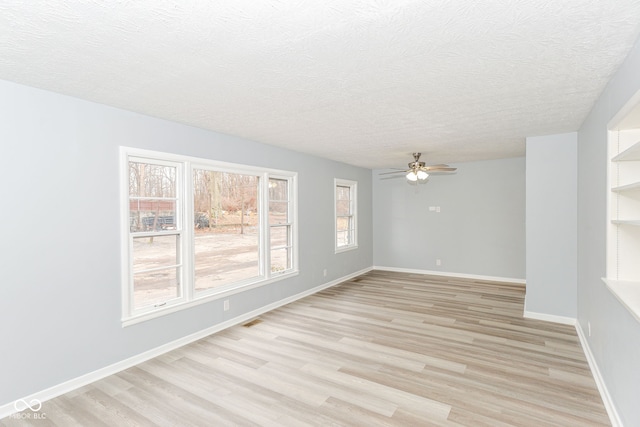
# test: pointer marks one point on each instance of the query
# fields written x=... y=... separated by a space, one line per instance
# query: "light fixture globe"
x=422 y=175
x=412 y=176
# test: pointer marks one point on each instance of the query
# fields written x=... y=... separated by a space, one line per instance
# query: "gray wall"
x=60 y=299
x=615 y=333
x=552 y=225
x=480 y=229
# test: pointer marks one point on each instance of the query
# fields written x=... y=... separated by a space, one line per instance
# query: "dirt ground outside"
x=222 y=256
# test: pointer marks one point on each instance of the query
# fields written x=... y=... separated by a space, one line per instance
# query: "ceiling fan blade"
x=389 y=173
x=439 y=169
x=441 y=172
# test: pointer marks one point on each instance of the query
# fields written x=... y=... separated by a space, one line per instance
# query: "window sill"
x=628 y=293
x=346 y=248
x=139 y=318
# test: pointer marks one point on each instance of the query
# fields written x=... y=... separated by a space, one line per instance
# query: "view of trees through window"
x=345 y=224
x=279 y=225
x=226 y=221
x=156 y=257
x=196 y=230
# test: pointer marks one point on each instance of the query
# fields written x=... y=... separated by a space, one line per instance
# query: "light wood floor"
x=382 y=349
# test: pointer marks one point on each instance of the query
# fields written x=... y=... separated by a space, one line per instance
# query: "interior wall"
x=615 y=334
x=60 y=308
x=552 y=225
x=480 y=229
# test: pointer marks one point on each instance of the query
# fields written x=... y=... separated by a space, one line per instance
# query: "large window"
x=345 y=213
x=196 y=230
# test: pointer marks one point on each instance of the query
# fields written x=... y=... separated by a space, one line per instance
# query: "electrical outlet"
x=438 y=261
x=438 y=209
x=589 y=328
x=324 y=272
x=226 y=305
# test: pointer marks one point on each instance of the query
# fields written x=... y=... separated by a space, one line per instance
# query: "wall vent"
x=252 y=323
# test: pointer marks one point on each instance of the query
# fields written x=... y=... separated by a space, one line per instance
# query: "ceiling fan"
x=419 y=172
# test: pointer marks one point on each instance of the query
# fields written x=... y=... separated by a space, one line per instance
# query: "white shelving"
x=627 y=187
x=635 y=222
x=623 y=235
x=630 y=154
x=628 y=293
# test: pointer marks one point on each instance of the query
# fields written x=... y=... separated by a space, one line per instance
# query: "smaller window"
x=345 y=213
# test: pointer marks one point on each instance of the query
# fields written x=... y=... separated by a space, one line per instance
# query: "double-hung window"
x=155 y=200
x=345 y=197
x=280 y=225
x=195 y=230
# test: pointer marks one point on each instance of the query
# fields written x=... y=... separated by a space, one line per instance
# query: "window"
x=345 y=210
x=196 y=230
x=226 y=228
x=280 y=225
x=156 y=258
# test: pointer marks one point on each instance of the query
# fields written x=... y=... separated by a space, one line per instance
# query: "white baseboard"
x=446 y=274
x=597 y=376
x=75 y=383
x=549 y=317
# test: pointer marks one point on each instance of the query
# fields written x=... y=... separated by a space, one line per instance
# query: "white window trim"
x=353 y=185
x=189 y=297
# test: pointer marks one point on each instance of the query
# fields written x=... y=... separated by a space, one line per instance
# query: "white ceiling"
x=365 y=82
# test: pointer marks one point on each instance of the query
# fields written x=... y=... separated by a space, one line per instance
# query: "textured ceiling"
x=364 y=82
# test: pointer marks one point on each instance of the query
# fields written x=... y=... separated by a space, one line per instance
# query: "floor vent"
x=252 y=323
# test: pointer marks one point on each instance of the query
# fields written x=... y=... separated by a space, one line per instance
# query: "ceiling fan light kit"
x=420 y=175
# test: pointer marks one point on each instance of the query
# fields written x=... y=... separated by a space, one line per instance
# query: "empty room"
x=295 y=213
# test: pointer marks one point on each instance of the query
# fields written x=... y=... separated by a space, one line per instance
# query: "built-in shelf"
x=631 y=153
x=623 y=212
x=626 y=222
x=628 y=187
x=628 y=293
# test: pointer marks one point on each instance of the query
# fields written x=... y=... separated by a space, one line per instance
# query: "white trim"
x=203 y=299
x=627 y=292
x=597 y=376
x=549 y=317
x=446 y=274
x=75 y=383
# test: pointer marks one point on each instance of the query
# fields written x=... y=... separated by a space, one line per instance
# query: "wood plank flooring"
x=384 y=349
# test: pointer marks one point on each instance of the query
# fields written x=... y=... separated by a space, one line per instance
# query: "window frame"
x=177 y=231
x=184 y=225
x=353 y=206
x=292 y=242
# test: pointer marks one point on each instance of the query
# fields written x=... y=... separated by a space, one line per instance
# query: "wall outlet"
x=226 y=305
x=438 y=261
x=432 y=208
x=324 y=272
x=438 y=209
x=589 y=328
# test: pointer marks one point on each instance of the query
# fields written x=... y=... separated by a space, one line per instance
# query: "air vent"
x=252 y=323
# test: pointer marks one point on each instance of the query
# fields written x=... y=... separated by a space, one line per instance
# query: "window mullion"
x=265 y=229
x=188 y=245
